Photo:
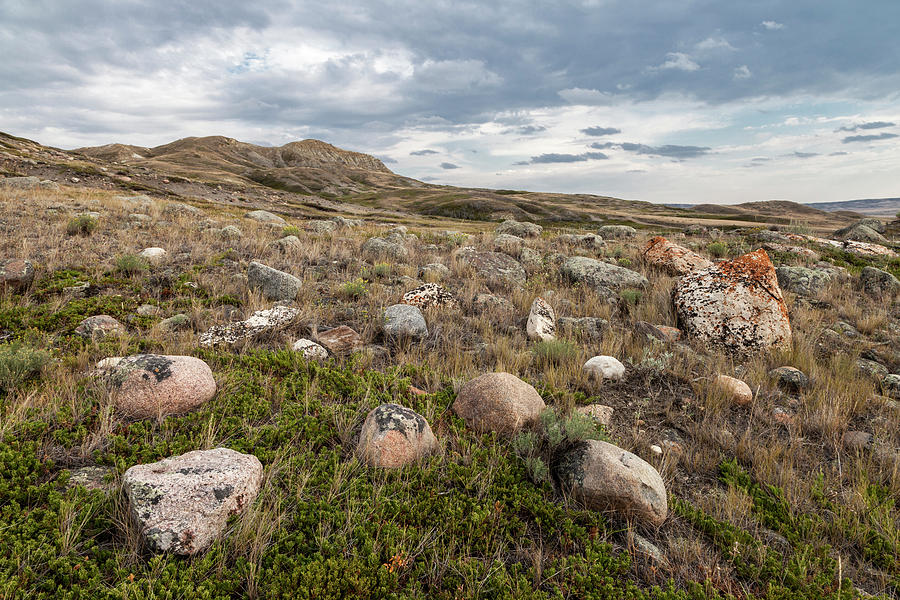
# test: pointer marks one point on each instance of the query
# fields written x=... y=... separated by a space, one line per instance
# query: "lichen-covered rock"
x=736 y=305
x=262 y=321
x=404 y=322
x=492 y=266
x=182 y=504
x=519 y=229
x=434 y=271
x=152 y=385
x=428 y=295
x=318 y=226
x=605 y=367
x=541 y=323
x=310 y=350
x=379 y=248
x=99 y=326
x=393 y=436
x=803 y=281
x=606 y=477
x=508 y=244
x=589 y=328
x=264 y=216
x=588 y=240
x=287 y=244
x=609 y=232
x=860 y=232
x=230 y=232
x=498 y=402
x=877 y=282
x=790 y=378
x=340 y=340
x=174 y=323
x=670 y=257
x=603 y=277
x=274 y=284
x=16 y=274
x=734 y=390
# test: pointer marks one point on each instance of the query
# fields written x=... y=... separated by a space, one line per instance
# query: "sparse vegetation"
x=131 y=264
x=81 y=225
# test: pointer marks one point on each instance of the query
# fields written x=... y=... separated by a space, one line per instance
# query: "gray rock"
x=603 y=277
x=289 y=243
x=790 y=378
x=531 y=259
x=322 y=227
x=435 y=271
x=488 y=302
x=871 y=368
x=147 y=310
x=877 y=282
x=99 y=326
x=183 y=503
x=310 y=349
x=874 y=224
x=175 y=208
x=175 y=323
x=20 y=183
x=588 y=328
x=346 y=223
x=264 y=216
x=91 y=478
x=393 y=436
x=404 y=321
x=16 y=274
x=230 y=232
x=803 y=281
x=494 y=267
x=508 y=244
x=274 y=284
x=609 y=232
x=890 y=383
x=379 y=248
x=858 y=441
x=860 y=233
x=588 y=240
x=519 y=229
x=262 y=321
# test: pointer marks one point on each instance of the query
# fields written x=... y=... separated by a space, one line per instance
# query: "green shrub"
x=552 y=437
x=554 y=352
x=18 y=363
x=631 y=297
x=717 y=249
x=81 y=225
x=290 y=230
x=354 y=289
x=131 y=264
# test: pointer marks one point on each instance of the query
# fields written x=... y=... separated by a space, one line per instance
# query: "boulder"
x=588 y=240
x=393 y=436
x=99 y=326
x=605 y=367
x=153 y=255
x=404 y=322
x=322 y=227
x=519 y=229
x=340 y=340
x=310 y=349
x=735 y=390
x=790 y=378
x=877 y=282
x=378 y=248
x=289 y=243
x=672 y=258
x=803 y=281
x=588 y=328
x=434 y=271
x=274 y=284
x=508 y=244
x=603 y=277
x=151 y=385
x=498 y=402
x=262 y=321
x=606 y=477
x=874 y=224
x=16 y=274
x=182 y=504
x=264 y=216
x=230 y=232
x=736 y=305
x=541 y=323
x=495 y=267
x=609 y=232
x=860 y=233
x=428 y=295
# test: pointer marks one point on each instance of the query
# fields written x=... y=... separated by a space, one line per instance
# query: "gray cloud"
x=447 y=165
x=869 y=138
x=525 y=130
x=423 y=152
x=599 y=131
x=668 y=150
x=869 y=125
x=839 y=154
x=564 y=158
x=387 y=160
x=805 y=154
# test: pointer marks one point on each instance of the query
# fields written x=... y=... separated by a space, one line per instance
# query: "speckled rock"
x=498 y=402
x=672 y=258
x=340 y=340
x=287 y=244
x=735 y=390
x=404 y=322
x=16 y=274
x=599 y=412
x=541 y=323
x=264 y=216
x=230 y=232
x=495 y=267
x=605 y=367
x=603 y=277
x=393 y=436
x=609 y=232
x=736 y=305
x=434 y=271
x=182 y=504
x=99 y=326
x=310 y=349
x=152 y=385
x=379 y=248
x=260 y=322
x=519 y=229
x=508 y=244
x=790 y=378
x=877 y=282
x=606 y=477
x=274 y=284
x=428 y=295
x=321 y=227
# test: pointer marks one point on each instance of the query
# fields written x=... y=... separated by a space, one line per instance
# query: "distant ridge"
x=876 y=207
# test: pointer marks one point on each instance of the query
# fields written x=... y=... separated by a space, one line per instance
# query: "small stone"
x=541 y=323
x=340 y=340
x=264 y=216
x=734 y=390
x=151 y=385
x=790 y=378
x=434 y=271
x=230 y=232
x=498 y=402
x=782 y=416
x=599 y=412
x=393 y=436
x=91 y=478
x=656 y=450
x=175 y=323
x=16 y=274
x=99 y=326
x=605 y=367
x=310 y=349
x=79 y=290
x=147 y=310
x=858 y=440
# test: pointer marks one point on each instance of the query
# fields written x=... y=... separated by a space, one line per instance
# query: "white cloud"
x=742 y=72
x=679 y=61
x=585 y=96
x=714 y=43
x=772 y=25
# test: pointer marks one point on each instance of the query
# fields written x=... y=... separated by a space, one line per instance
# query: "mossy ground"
x=758 y=509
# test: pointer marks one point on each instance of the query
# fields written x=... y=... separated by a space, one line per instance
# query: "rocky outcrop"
x=608 y=478
x=541 y=323
x=736 y=305
x=605 y=278
x=149 y=386
x=672 y=258
x=519 y=229
x=182 y=504
x=393 y=436
x=498 y=402
x=262 y=321
x=492 y=266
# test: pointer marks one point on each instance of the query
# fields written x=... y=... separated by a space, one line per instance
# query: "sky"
x=676 y=101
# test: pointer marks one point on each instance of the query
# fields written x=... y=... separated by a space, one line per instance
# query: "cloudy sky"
x=660 y=100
